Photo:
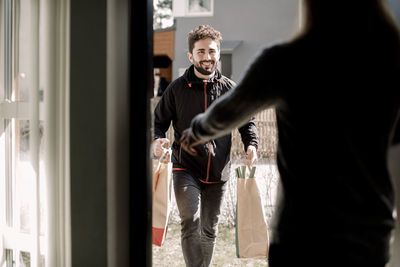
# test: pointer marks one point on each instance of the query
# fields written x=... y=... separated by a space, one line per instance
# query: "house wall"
x=257 y=23
x=164 y=43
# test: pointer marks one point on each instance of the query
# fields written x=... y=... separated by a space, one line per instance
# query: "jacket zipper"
x=208 y=144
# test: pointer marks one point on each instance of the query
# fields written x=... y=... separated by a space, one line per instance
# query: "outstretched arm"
x=256 y=91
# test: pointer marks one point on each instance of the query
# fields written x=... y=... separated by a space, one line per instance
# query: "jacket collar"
x=191 y=78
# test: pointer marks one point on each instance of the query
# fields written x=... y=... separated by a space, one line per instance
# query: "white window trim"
x=56 y=110
x=51 y=58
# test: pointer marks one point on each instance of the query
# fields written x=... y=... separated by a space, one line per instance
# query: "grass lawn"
x=170 y=254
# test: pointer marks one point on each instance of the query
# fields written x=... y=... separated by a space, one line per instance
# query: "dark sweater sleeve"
x=256 y=91
x=164 y=113
x=249 y=134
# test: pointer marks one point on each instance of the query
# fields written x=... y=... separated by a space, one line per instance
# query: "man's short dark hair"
x=203 y=32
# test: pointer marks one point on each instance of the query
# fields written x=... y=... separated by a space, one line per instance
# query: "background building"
x=245 y=27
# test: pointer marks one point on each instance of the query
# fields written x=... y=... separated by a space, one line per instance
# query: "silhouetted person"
x=163 y=84
x=336 y=91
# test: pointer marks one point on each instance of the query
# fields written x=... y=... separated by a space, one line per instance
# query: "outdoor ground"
x=170 y=254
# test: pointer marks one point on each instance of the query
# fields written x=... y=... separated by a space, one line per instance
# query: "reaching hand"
x=188 y=143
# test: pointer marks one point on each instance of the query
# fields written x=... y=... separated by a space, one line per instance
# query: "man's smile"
x=207 y=64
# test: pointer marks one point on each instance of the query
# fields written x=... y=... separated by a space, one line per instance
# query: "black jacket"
x=183 y=99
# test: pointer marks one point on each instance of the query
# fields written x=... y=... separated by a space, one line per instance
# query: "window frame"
x=50 y=73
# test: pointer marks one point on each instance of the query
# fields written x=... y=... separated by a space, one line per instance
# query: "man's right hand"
x=158 y=146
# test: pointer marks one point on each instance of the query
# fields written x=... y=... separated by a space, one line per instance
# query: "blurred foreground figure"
x=336 y=91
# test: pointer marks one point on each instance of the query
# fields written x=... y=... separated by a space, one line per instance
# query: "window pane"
x=15 y=47
x=3 y=190
x=9 y=258
x=22 y=54
x=25 y=259
x=8 y=171
x=7 y=23
x=42 y=173
x=22 y=152
x=25 y=177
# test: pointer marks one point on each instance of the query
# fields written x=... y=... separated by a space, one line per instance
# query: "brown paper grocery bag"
x=162 y=173
x=251 y=226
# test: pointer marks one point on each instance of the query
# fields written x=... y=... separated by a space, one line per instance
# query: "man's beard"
x=203 y=71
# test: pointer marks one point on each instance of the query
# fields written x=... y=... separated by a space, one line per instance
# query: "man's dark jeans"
x=199 y=208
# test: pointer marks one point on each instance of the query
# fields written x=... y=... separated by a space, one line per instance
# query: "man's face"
x=205 y=56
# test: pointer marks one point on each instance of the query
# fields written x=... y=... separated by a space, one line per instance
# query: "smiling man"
x=198 y=183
